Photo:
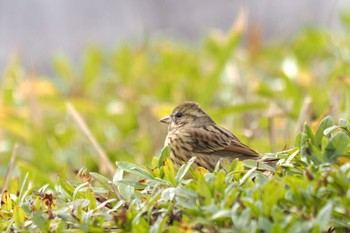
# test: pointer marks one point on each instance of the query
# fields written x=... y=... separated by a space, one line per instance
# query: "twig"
x=304 y=114
x=272 y=132
x=10 y=168
x=106 y=165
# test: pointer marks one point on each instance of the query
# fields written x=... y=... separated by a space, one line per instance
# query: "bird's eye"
x=179 y=115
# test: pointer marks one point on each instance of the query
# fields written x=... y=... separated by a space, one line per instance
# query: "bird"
x=192 y=132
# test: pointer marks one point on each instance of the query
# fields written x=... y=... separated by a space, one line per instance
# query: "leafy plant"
x=308 y=192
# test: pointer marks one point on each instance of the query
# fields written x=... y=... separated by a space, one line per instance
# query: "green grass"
x=61 y=182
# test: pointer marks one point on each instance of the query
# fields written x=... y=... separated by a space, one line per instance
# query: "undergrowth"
x=308 y=190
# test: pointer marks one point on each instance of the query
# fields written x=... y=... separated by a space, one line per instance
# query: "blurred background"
x=37 y=29
x=260 y=68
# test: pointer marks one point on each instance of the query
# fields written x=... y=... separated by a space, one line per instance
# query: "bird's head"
x=187 y=114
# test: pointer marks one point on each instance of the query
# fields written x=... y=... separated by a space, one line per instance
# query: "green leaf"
x=248 y=175
x=142 y=226
x=272 y=193
x=24 y=189
x=134 y=184
x=307 y=130
x=250 y=163
x=78 y=189
x=134 y=169
x=168 y=194
x=184 y=169
x=344 y=123
x=159 y=225
x=89 y=195
x=297 y=141
x=329 y=130
x=118 y=175
x=324 y=216
x=6 y=201
x=19 y=216
x=164 y=154
x=245 y=222
x=236 y=164
x=222 y=214
x=126 y=191
x=264 y=224
x=325 y=123
x=203 y=190
x=101 y=179
x=317 y=156
x=305 y=139
x=40 y=221
x=169 y=171
x=337 y=145
x=66 y=186
x=218 y=185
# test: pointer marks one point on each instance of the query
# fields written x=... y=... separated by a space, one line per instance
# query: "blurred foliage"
x=264 y=94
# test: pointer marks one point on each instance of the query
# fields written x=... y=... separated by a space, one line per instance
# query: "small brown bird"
x=191 y=132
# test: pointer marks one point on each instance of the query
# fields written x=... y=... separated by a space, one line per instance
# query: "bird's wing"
x=218 y=141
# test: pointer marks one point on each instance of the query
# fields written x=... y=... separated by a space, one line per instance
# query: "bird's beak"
x=166 y=120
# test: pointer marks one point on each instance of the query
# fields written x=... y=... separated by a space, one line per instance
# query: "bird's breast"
x=180 y=145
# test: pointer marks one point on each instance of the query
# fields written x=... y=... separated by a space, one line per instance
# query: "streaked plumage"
x=191 y=132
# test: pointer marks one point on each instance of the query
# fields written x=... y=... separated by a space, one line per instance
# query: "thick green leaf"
x=78 y=189
x=331 y=129
x=126 y=191
x=134 y=169
x=102 y=179
x=184 y=169
x=118 y=175
x=307 y=130
x=320 y=132
x=249 y=174
x=164 y=154
x=337 y=145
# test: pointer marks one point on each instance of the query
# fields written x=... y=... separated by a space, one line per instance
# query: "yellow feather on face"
x=192 y=132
